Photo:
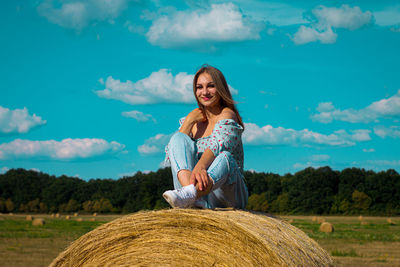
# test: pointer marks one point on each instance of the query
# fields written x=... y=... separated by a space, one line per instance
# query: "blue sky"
x=94 y=89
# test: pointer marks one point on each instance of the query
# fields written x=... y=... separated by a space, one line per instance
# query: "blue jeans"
x=228 y=190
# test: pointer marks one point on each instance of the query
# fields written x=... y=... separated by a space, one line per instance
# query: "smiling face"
x=206 y=91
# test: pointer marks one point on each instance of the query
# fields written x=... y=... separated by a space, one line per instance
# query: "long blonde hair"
x=221 y=86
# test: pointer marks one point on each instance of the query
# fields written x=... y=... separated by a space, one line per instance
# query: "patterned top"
x=226 y=136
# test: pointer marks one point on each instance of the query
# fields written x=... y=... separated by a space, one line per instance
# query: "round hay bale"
x=389 y=221
x=67 y=217
x=57 y=215
x=38 y=221
x=79 y=219
x=75 y=214
x=314 y=219
x=52 y=215
x=320 y=220
x=95 y=214
x=326 y=227
x=360 y=218
x=92 y=219
x=29 y=217
x=188 y=237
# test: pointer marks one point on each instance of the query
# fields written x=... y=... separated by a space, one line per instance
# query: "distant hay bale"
x=314 y=219
x=57 y=215
x=320 y=220
x=38 y=221
x=75 y=214
x=67 y=217
x=360 y=218
x=188 y=237
x=389 y=221
x=52 y=215
x=95 y=214
x=29 y=217
x=92 y=219
x=326 y=227
x=79 y=219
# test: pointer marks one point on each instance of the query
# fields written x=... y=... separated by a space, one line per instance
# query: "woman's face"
x=206 y=91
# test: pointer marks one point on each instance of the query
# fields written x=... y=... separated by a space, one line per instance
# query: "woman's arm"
x=199 y=173
x=192 y=118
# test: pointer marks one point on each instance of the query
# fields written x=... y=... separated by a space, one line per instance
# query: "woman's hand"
x=200 y=176
x=196 y=115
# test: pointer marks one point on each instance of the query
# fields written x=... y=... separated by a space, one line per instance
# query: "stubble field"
x=367 y=241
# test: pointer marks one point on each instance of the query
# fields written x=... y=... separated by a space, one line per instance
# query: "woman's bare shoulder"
x=227 y=113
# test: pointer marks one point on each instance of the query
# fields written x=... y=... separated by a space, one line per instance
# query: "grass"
x=20 y=228
x=340 y=253
x=351 y=244
x=352 y=231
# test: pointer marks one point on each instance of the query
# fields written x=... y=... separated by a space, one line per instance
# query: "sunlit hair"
x=221 y=86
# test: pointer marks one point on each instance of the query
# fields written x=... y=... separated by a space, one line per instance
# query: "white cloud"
x=315 y=161
x=134 y=28
x=155 y=144
x=138 y=115
x=396 y=28
x=268 y=135
x=306 y=165
x=370 y=150
x=383 y=131
x=308 y=34
x=323 y=19
x=387 y=163
x=280 y=14
x=160 y=86
x=345 y=17
x=78 y=14
x=320 y=158
x=18 y=120
x=4 y=170
x=384 y=108
x=67 y=149
x=389 y=16
x=223 y=23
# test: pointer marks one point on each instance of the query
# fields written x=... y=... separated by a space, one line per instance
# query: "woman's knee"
x=179 y=137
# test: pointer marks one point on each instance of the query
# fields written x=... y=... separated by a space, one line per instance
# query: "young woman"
x=206 y=154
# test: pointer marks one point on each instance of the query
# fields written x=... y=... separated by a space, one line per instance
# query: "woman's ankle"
x=184 y=177
x=206 y=191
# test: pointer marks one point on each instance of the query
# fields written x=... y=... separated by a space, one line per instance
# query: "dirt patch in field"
x=30 y=251
x=367 y=253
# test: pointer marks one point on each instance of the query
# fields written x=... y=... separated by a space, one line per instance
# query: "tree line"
x=310 y=191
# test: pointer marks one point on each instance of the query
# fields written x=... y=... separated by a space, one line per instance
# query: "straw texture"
x=188 y=237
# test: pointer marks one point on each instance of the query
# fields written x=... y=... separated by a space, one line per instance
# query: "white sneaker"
x=181 y=198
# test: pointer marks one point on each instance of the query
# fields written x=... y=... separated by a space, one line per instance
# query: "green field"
x=373 y=243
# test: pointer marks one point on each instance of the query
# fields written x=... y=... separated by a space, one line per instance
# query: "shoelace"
x=183 y=194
